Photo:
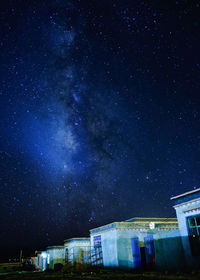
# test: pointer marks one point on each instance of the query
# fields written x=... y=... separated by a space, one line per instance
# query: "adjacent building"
x=55 y=255
x=40 y=261
x=139 y=243
x=77 y=250
x=187 y=206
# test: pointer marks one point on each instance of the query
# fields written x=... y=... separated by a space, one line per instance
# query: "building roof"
x=186 y=193
x=139 y=223
x=137 y=219
x=55 y=247
x=39 y=252
x=77 y=239
x=186 y=197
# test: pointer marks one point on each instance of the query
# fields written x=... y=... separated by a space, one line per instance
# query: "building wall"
x=168 y=250
x=124 y=247
x=167 y=244
x=40 y=262
x=77 y=251
x=117 y=248
x=183 y=211
x=56 y=255
x=109 y=246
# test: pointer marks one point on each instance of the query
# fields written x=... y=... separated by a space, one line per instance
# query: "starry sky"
x=99 y=115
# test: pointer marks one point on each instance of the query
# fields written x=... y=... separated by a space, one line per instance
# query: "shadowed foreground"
x=114 y=275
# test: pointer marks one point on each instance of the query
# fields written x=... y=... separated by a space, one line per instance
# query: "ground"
x=105 y=275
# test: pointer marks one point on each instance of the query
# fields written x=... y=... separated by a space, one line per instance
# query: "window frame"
x=196 y=226
x=194 y=234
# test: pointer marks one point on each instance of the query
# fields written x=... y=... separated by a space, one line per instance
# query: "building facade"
x=77 y=250
x=140 y=243
x=55 y=255
x=187 y=206
x=40 y=261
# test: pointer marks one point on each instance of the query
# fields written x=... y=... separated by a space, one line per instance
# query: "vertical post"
x=20 y=256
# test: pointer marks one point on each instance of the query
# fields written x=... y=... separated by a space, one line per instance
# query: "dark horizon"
x=99 y=113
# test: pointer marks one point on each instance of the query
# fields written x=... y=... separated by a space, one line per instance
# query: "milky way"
x=99 y=114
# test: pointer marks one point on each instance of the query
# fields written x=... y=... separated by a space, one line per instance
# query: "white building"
x=77 y=250
x=40 y=261
x=139 y=243
x=55 y=255
x=187 y=206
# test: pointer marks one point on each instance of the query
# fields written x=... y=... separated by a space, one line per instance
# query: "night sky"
x=99 y=115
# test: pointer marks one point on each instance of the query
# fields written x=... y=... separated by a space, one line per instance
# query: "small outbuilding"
x=40 y=261
x=187 y=206
x=55 y=255
x=139 y=243
x=77 y=250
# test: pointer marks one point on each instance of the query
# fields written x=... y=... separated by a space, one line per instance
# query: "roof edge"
x=114 y=225
x=76 y=239
x=55 y=247
x=144 y=219
x=184 y=194
x=101 y=227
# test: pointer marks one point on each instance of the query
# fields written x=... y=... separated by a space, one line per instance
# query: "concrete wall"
x=117 y=248
x=124 y=248
x=109 y=247
x=41 y=261
x=183 y=211
x=78 y=251
x=168 y=250
x=56 y=255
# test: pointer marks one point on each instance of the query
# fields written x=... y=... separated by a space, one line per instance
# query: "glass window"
x=193 y=231
x=194 y=234
x=97 y=255
x=198 y=220
x=97 y=240
x=191 y=222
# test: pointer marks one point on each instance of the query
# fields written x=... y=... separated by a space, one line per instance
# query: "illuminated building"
x=187 y=206
x=77 y=250
x=140 y=243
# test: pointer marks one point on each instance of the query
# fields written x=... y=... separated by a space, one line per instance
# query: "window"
x=194 y=234
x=97 y=256
x=97 y=241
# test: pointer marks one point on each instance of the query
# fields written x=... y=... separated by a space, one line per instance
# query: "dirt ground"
x=105 y=275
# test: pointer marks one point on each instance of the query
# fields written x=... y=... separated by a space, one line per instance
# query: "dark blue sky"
x=99 y=114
